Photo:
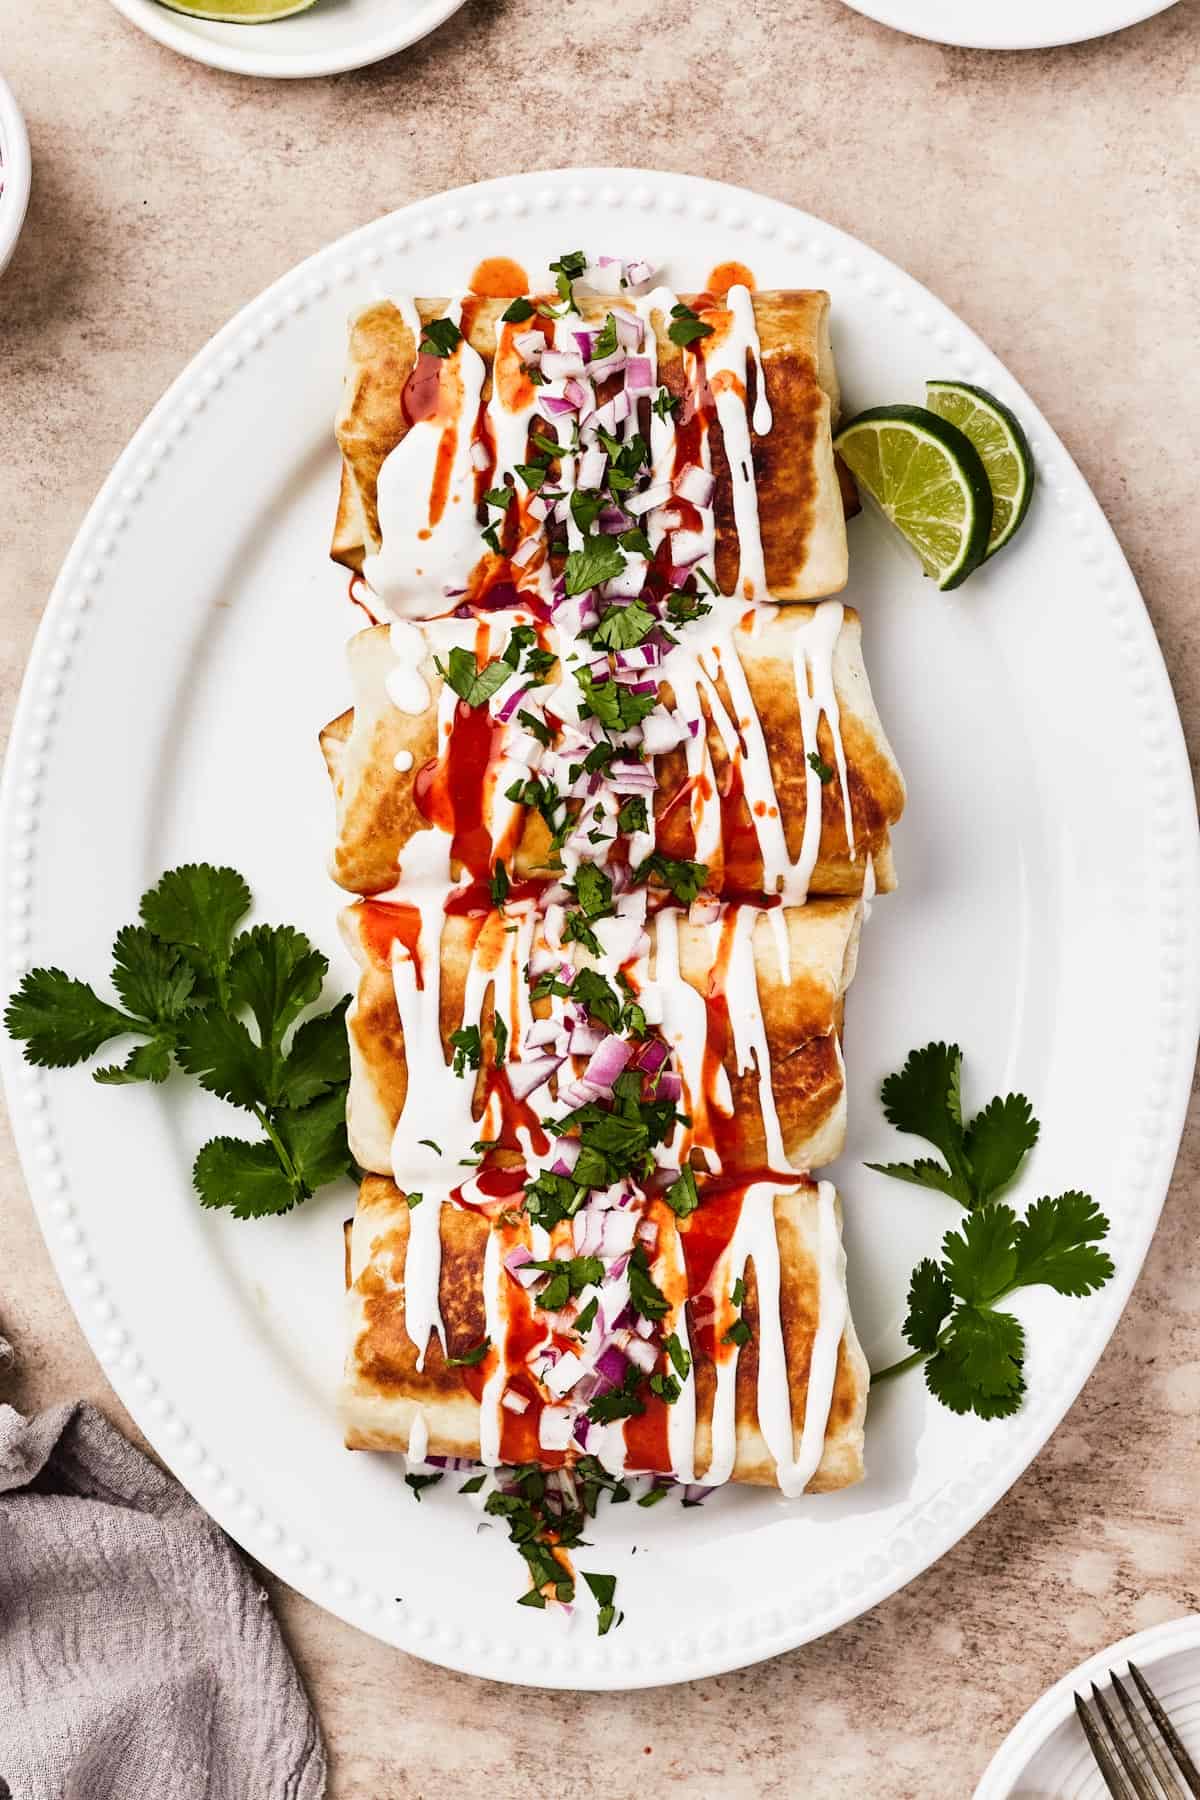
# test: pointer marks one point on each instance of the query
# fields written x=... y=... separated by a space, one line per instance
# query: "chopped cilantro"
x=441 y=337
x=471 y=683
x=517 y=312
x=474 y=1355
x=821 y=770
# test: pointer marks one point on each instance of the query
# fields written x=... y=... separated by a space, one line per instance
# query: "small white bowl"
x=330 y=37
x=15 y=170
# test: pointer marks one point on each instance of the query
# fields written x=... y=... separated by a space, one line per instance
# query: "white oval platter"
x=327 y=39
x=1047 y=919
x=1009 y=24
x=1045 y=1754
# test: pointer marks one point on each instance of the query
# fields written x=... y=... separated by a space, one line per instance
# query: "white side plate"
x=332 y=36
x=1046 y=1755
x=1047 y=919
x=1008 y=24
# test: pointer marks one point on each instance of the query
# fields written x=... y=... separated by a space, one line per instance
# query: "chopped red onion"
x=605 y=366
x=565 y=1373
x=687 y=547
x=645 y=502
x=704 y=912
x=536 y=507
x=554 y=1428
x=529 y=345
x=516 y=1403
x=525 y=551
x=638 y=275
x=511 y=704
x=611 y=1364
x=603 y=277
x=579 y=396
x=524 y=1078
x=639 y=375
x=669 y=1087
x=665 y=518
x=619 y=1232
x=551 y=406
x=517 y=1258
x=644 y=1328
x=661 y=731
x=541 y=1033
x=585 y=340
x=584 y=1039
x=695 y=484
x=592 y=463
x=606 y=1064
x=561 y=365
x=647 y=1232
x=630 y=330
x=567 y=1156
x=621 y=405
x=641 y=1354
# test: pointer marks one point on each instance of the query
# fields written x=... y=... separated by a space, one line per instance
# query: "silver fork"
x=1139 y=1770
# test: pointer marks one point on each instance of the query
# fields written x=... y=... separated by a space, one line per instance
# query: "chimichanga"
x=470 y=415
x=775 y=1384
x=750 y=1004
x=777 y=690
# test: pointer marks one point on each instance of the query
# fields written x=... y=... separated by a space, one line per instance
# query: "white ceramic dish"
x=15 y=173
x=1048 y=911
x=1009 y=24
x=1045 y=1756
x=332 y=36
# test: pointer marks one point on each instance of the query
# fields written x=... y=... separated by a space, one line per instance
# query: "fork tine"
x=1187 y=1767
x=1114 y=1781
x=1138 y=1777
x=1145 y=1738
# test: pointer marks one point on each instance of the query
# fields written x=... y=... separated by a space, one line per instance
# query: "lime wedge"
x=238 y=12
x=926 y=476
x=1000 y=442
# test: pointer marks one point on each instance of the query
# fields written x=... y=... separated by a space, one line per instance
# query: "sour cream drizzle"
x=430 y=550
x=426 y=490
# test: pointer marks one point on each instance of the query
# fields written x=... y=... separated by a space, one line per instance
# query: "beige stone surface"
x=1054 y=200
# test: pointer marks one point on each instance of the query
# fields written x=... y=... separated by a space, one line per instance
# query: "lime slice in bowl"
x=1001 y=443
x=238 y=12
x=926 y=476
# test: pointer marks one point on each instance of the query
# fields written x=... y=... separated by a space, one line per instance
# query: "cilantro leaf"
x=624 y=627
x=468 y=1361
x=315 y=1139
x=644 y=1296
x=682 y=1196
x=517 y=313
x=197 y=907
x=1056 y=1244
x=276 y=972
x=244 y=1177
x=220 y=1052
x=687 y=326
x=979 y=1368
x=981 y=1259
x=930 y=1303
x=604 y=1589
x=617 y=708
x=820 y=769
x=62 y=1021
x=924 y=1098
x=468 y=1049
x=319 y=1058
x=145 y=1062
x=600 y=559
x=685 y=879
x=152 y=978
x=997 y=1141
x=471 y=683
x=925 y=1172
x=441 y=337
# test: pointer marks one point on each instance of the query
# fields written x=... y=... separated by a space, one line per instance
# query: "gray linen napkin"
x=139 y=1659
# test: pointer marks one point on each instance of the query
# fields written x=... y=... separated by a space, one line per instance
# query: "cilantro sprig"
x=974 y=1352
x=226 y=1009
